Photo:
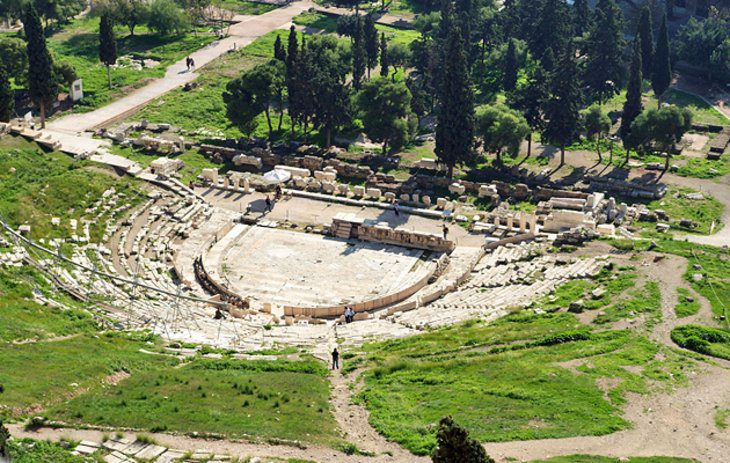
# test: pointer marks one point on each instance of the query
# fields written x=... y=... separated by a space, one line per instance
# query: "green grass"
x=597 y=459
x=702 y=339
x=722 y=418
x=505 y=381
x=266 y=400
x=714 y=268
x=685 y=308
x=194 y=161
x=703 y=212
x=643 y=301
x=78 y=43
x=702 y=113
x=614 y=283
x=37 y=451
x=250 y=8
x=46 y=185
x=328 y=23
x=23 y=318
x=44 y=373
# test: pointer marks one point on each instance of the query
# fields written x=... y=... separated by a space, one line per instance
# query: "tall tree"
x=660 y=129
x=359 y=55
x=501 y=129
x=292 y=53
x=256 y=91
x=279 y=50
x=371 y=43
x=331 y=108
x=107 y=45
x=646 y=38
x=553 y=30
x=4 y=438
x=455 y=113
x=582 y=20
x=597 y=125
x=530 y=98
x=509 y=71
x=7 y=97
x=604 y=68
x=661 y=75
x=455 y=446
x=561 y=110
x=384 y=65
x=632 y=105
x=384 y=106
x=41 y=84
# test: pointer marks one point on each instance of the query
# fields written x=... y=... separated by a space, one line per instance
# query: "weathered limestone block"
x=374 y=193
x=405 y=197
x=210 y=174
x=441 y=203
x=457 y=188
x=389 y=196
x=426 y=200
x=358 y=191
x=343 y=189
x=294 y=171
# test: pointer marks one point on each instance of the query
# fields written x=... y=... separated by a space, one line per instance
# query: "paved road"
x=248 y=29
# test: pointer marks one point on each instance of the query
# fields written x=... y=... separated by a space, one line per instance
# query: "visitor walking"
x=335 y=359
x=187 y=62
x=269 y=207
x=395 y=208
x=446 y=231
x=192 y=63
x=277 y=195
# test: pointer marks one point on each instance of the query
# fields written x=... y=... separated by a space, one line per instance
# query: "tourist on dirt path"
x=446 y=231
x=335 y=359
x=395 y=208
x=269 y=208
x=278 y=193
x=187 y=63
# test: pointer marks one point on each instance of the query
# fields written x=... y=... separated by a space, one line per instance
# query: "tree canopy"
x=501 y=129
x=383 y=106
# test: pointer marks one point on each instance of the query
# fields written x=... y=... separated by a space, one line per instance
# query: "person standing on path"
x=446 y=231
x=335 y=359
x=269 y=207
x=187 y=63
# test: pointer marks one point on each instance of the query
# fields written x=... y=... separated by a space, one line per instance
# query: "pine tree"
x=279 y=51
x=604 y=67
x=383 y=56
x=455 y=445
x=530 y=98
x=455 y=114
x=646 y=36
x=291 y=75
x=582 y=20
x=107 y=45
x=562 y=109
x=372 y=46
x=41 y=86
x=359 y=55
x=633 y=106
x=509 y=80
x=7 y=97
x=553 y=28
x=661 y=75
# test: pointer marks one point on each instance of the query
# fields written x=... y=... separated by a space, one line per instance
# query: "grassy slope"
x=46 y=185
x=678 y=206
x=518 y=391
x=262 y=399
x=78 y=45
x=250 y=8
x=43 y=373
x=21 y=317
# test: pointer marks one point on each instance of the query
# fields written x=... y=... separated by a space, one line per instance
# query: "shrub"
x=167 y=18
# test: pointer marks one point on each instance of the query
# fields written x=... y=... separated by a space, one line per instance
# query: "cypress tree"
x=359 y=55
x=455 y=445
x=107 y=45
x=562 y=109
x=383 y=56
x=41 y=85
x=661 y=75
x=633 y=106
x=582 y=20
x=553 y=28
x=291 y=75
x=372 y=46
x=604 y=68
x=646 y=37
x=509 y=75
x=455 y=113
x=7 y=97
x=279 y=51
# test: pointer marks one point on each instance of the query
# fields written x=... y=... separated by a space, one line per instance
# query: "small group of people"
x=349 y=314
x=190 y=63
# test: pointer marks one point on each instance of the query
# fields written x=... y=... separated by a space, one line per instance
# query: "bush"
x=704 y=340
x=167 y=18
